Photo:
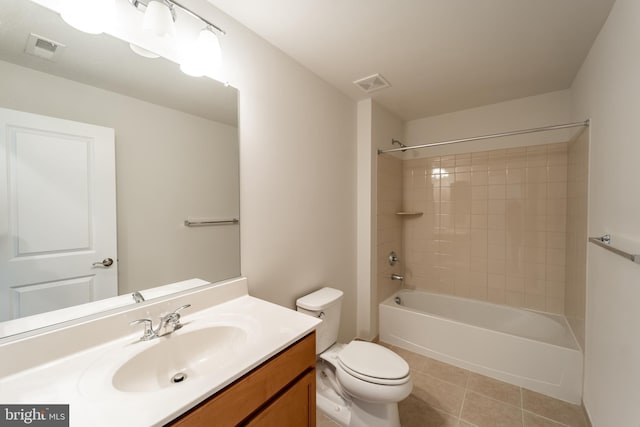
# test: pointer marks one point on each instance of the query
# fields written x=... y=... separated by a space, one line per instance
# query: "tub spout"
x=396 y=277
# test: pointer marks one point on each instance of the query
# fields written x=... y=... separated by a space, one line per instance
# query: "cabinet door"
x=281 y=378
x=296 y=407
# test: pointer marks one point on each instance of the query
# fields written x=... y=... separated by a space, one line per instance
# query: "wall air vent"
x=43 y=47
x=372 y=83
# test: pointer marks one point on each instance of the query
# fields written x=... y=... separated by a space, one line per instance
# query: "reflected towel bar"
x=189 y=223
x=605 y=242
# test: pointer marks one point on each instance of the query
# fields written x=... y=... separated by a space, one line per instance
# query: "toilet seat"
x=373 y=363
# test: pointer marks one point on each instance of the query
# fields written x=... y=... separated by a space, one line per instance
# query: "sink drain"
x=179 y=377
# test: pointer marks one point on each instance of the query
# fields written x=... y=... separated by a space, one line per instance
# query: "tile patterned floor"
x=447 y=396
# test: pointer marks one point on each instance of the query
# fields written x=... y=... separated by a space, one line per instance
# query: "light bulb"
x=159 y=19
x=89 y=16
x=204 y=57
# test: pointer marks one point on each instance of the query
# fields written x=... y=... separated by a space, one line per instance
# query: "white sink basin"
x=177 y=358
x=195 y=355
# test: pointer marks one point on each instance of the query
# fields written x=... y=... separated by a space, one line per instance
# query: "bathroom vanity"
x=235 y=360
x=281 y=391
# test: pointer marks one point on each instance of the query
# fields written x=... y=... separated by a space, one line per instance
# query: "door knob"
x=107 y=262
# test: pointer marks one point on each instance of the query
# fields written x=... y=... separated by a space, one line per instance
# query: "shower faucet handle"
x=393 y=258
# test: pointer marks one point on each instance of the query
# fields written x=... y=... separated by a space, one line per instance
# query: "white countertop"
x=83 y=379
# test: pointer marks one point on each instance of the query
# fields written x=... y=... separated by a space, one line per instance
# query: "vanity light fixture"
x=204 y=56
x=89 y=16
x=159 y=18
x=201 y=57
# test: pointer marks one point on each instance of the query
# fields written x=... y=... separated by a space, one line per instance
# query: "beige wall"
x=366 y=221
x=166 y=162
x=493 y=225
x=576 y=253
x=297 y=173
x=607 y=90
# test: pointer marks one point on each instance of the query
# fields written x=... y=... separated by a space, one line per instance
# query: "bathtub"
x=529 y=349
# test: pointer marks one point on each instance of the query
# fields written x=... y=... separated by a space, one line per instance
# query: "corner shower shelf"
x=408 y=214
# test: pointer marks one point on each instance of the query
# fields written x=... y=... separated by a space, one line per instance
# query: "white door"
x=57 y=213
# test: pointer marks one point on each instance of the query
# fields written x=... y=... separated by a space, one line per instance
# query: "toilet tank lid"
x=320 y=299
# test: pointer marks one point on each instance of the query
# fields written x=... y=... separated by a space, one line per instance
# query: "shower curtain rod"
x=495 y=135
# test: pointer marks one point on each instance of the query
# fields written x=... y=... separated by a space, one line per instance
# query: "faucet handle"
x=174 y=317
x=148 y=328
x=181 y=308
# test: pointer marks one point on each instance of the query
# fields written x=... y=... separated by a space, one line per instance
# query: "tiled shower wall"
x=576 y=254
x=493 y=225
x=389 y=224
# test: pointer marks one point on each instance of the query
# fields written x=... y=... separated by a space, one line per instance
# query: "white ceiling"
x=439 y=55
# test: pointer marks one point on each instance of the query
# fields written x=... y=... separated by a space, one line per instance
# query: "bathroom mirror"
x=176 y=148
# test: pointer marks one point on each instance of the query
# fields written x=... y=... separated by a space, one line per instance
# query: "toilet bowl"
x=358 y=384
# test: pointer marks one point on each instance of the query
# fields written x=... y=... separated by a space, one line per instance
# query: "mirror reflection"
x=105 y=154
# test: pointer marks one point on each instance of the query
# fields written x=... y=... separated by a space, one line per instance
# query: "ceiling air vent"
x=43 y=47
x=372 y=83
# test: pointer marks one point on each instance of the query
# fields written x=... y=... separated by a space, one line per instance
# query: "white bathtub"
x=530 y=349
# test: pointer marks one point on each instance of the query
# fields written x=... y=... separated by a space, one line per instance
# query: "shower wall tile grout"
x=493 y=225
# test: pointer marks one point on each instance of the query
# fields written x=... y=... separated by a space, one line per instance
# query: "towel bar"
x=189 y=223
x=605 y=242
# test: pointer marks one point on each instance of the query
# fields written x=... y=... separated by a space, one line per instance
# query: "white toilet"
x=358 y=384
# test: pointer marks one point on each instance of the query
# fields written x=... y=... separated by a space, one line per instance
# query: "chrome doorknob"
x=107 y=262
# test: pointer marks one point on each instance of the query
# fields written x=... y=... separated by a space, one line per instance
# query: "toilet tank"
x=324 y=303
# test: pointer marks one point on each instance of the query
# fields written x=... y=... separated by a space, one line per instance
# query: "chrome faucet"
x=395 y=276
x=168 y=323
x=137 y=297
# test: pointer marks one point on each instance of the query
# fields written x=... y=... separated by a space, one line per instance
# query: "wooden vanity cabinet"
x=281 y=392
